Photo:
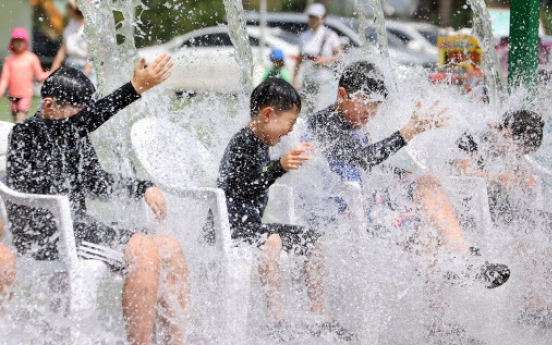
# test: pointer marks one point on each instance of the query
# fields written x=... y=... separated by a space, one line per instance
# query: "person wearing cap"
x=75 y=49
x=278 y=69
x=320 y=49
x=17 y=74
x=51 y=153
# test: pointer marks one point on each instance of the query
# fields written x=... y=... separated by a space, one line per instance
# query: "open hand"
x=156 y=201
x=153 y=75
x=294 y=158
x=423 y=120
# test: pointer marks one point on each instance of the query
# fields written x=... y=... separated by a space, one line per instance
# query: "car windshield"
x=403 y=36
x=287 y=36
x=430 y=35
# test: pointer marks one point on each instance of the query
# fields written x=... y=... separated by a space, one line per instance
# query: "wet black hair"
x=68 y=86
x=274 y=92
x=363 y=76
x=527 y=128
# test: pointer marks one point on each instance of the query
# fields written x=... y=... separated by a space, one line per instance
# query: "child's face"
x=277 y=124
x=51 y=110
x=357 y=108
x=278 y=63
x=19 y=45
x=508 y=146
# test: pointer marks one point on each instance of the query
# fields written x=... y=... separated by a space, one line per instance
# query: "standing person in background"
x=320 y=48
x=278 y=69
x=75 y=49
x=17 y=74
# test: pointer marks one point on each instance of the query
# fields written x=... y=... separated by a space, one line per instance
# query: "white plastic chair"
x=83 y=276
x=5 y=129
x=172 y=155
x=544 y=179
x=178 y=164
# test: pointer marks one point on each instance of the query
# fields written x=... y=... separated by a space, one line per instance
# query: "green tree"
x=160 y=21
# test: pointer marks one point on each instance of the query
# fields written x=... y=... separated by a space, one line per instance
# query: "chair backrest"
x=171 y=155
x=537 y=168
x=5 y=129
x=59 y=206
x=543 y=191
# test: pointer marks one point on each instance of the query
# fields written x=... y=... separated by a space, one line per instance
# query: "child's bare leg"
x=7 y=275
x=140 y=289
x=314 y=269
x=269 y=271
x=527 y=252
x=174 y=288
x=19 y=116
x=431 y=198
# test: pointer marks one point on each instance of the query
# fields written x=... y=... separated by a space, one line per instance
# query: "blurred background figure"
x=75 y=49
x=320 y=48
x=17 y=74
x=278 y=69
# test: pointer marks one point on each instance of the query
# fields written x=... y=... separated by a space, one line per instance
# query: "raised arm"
x=58 y=59
x=96 y=114
x=423 y=120
x=39 y=73
x=296 y=72
x=339 y=144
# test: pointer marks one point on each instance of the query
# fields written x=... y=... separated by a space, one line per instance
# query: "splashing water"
x=379 y=21
x=491 y=64
x=373 y=286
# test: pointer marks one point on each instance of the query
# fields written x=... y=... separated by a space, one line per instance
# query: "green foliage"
x=276 y=5
x=162 y=20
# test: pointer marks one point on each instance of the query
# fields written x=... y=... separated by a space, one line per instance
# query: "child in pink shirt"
x=17 y=74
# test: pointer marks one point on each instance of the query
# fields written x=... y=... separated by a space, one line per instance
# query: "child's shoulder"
x=25 y=56
x=31 y=55
x=243 y=138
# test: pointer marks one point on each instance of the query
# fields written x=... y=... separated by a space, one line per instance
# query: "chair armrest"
x=352 y=194
x=216 y=200
x=60 y=208
x=537 y=168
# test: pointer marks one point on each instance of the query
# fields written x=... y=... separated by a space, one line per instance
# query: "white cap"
x=316 y=10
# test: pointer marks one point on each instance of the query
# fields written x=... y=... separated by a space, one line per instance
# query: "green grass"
x=5 y=112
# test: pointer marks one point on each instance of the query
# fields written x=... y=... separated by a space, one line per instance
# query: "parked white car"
x=419 y=35
x=204 y=59
x=411 y=37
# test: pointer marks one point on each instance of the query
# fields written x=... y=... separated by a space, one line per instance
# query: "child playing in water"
x=17 y=74
x=51 y=153
x=278 y=69
x=245 y=175
x=519 y=134
x=336 y=131
x=496 y=154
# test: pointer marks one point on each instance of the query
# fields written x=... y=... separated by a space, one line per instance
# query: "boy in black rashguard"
x=52 y=154
x=246 y=173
